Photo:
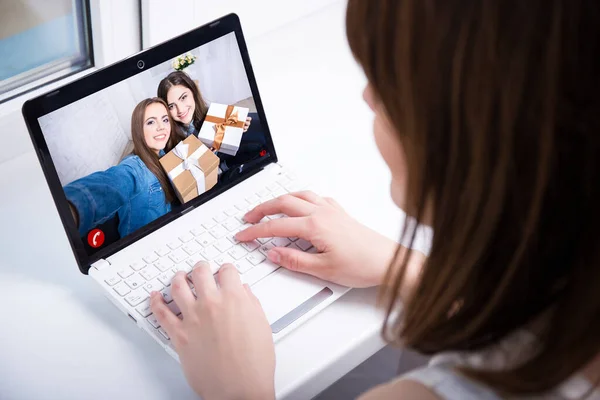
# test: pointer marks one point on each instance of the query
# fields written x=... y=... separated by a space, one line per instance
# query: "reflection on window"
x=41 y=41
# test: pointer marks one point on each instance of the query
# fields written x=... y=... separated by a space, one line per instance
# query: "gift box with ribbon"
x=223 y=128
x=191 y=167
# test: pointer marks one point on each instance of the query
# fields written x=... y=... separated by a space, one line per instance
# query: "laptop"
x=130 y=230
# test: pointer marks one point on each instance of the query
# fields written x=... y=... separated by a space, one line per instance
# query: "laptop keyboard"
x=213 y=240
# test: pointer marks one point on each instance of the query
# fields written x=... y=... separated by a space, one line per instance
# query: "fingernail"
x=274 y=256
x=202 y=264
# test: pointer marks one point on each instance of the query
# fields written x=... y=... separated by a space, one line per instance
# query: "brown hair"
x=496 y=104
x=181 y=78
x=146 y=154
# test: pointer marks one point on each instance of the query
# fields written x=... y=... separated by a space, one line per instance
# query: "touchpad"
x=286 y=296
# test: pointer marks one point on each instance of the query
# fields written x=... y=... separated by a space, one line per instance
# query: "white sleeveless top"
x=441 y=377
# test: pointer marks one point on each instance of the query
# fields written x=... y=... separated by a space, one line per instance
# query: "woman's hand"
x=224 y=341
x=247 y=123
x=349 y=253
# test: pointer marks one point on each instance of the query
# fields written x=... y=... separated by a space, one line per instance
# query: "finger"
x=296 y=260
x=333 y=203
x=182 y=293
x=229 y=277
x=289 y=205
x=309 y=196
x=281 y=227
x=203 y=279
x=164 y=315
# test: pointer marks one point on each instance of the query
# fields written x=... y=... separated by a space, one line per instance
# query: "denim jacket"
x=128 y=189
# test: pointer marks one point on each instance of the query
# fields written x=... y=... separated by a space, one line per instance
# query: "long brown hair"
x=146 y=154
x=181 y=78
x=497 y=106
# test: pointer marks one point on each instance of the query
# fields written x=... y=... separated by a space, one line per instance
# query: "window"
x=42 y=41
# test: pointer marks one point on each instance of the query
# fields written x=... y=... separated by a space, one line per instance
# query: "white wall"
x=218 y=68
x=164 y=19
x=88 y=135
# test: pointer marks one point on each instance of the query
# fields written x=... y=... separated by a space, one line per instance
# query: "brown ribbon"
x=231 y=119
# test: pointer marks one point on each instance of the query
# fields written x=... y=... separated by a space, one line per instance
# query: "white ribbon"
x=189 y=163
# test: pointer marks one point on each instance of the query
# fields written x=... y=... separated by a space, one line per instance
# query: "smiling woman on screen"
x=137 y=189
x=487 y=113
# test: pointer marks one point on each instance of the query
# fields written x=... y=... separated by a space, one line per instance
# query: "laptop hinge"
x=101 y=264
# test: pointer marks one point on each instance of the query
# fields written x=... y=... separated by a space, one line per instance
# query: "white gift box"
x=217 y=117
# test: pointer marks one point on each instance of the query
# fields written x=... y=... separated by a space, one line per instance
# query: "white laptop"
x=121 y=235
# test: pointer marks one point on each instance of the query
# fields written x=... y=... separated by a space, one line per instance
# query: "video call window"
x=139 y=149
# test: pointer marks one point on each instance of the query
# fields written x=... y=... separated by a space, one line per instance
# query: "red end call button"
x=96 y=238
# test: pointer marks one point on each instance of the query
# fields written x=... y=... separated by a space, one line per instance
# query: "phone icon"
x=95 y=238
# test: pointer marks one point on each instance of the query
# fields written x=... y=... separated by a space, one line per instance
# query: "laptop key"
x=232 y=224
x=164 y=333
x=209 y=224
x=224 y=259
x=280 y=242
x=153 y=321
x=218 y=231
x=231 y=211
x=122 y=289
x=153 y=286
x=210 y=252
x=178 y=256
x=175 y=244
x=162 y=251
x=197 y=231
x=273 y=186
x=265 y=248
x=192 y=247
x=165 y=277
x=220 y=217
x=144 y=309
x=256 y=258
x=243 y=266
x=303 y=244
x=150 y=258
x=195 y=259
x=125 y=272
x=113 y=280
x=166 y=294
x=262 y=193
x=150 y=272
x=250 y=246
x=138 y=265
x=223 y=245
x=135 y=281
x=136 y=297
x=232 y=238
x=205 y=239
x=164 y=264
x=238 y=252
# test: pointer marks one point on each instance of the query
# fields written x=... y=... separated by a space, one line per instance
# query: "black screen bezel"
x=115 y=73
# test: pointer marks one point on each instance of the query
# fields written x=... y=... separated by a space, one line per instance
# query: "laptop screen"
x=150 y=145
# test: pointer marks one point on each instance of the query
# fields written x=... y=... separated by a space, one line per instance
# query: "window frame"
x=61 y=68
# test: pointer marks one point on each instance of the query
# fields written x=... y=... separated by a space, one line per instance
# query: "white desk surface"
x=62 y=339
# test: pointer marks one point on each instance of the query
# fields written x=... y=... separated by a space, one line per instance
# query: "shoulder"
x=134 y=164
x=400 y=389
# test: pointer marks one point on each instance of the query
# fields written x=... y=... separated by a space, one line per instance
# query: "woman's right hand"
x=349 y=253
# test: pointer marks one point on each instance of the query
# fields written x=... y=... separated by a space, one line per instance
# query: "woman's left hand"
x=224 y=341
x=247 y=123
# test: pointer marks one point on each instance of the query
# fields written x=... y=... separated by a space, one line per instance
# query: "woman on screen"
x=188 y=108
x=137 y=190
x=185 y=102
